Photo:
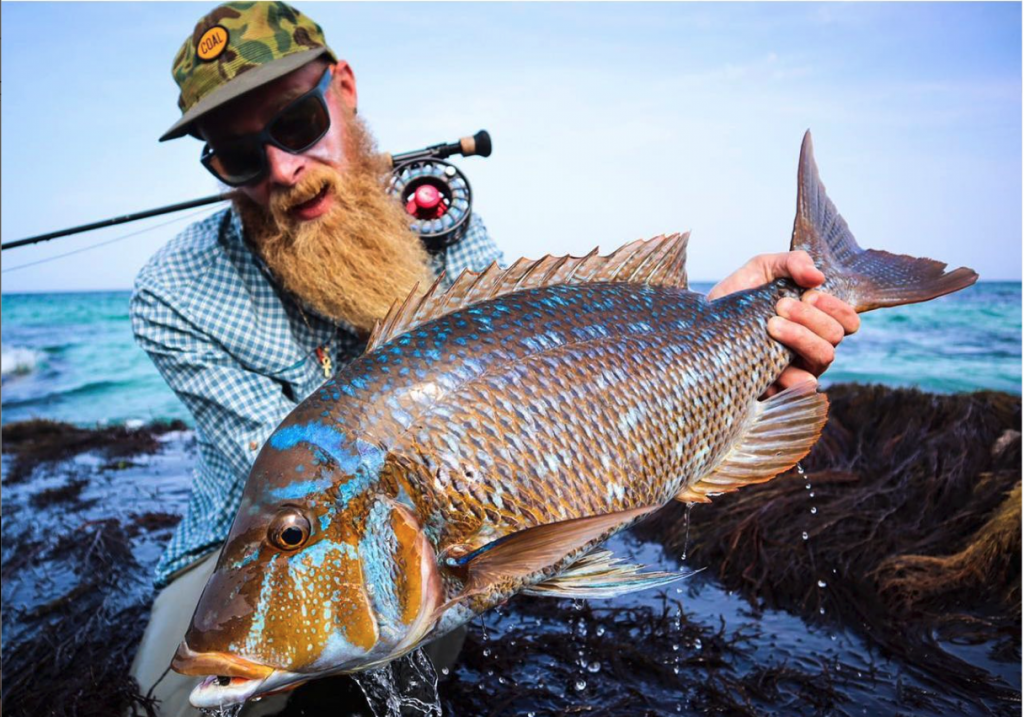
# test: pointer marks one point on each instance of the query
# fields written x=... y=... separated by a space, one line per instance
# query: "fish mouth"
x=229 y=679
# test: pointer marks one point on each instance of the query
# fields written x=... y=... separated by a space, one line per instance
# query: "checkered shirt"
x=234 y=347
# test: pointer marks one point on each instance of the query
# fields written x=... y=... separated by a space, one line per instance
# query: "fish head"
x=325 y=570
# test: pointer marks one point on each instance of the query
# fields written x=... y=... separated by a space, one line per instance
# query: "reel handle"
x=478 y=145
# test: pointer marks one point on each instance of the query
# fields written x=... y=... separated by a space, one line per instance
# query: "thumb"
x=799 y=266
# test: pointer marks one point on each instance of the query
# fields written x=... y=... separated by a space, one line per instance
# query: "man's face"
x=322 y=220
x=251 y=112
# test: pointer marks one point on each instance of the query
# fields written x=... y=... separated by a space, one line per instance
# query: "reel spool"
x=435 y=194
x=437 y=197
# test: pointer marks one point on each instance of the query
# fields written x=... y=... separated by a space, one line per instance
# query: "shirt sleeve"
x=476 y=251
x=235 y=409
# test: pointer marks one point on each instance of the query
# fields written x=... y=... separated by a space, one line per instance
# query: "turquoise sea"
x=71 y=357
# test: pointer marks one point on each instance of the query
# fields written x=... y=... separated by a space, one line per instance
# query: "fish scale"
x=495 y=433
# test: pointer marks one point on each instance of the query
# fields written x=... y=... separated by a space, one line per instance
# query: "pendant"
x=325 y=361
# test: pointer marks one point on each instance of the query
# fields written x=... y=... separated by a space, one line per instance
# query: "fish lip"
x=189 y=662
x=209 y=693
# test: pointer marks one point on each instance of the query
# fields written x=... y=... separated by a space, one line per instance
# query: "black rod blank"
x=123 y=219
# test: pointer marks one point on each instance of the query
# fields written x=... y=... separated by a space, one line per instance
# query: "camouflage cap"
x=237 y=48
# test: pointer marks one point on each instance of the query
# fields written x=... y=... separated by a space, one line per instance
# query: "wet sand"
x=904 y=597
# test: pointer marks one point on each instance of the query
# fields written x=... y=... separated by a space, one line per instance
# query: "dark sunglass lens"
x=302 y=125
x=237 y=164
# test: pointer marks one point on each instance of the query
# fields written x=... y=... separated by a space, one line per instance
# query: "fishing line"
x=103 y=243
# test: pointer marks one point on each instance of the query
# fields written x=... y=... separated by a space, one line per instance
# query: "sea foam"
x=17 y=360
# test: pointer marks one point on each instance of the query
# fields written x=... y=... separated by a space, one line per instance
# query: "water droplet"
x=799 y=469
x=811 y=494
x=531 y=714
x=821 y=611
x=581 y=629
x=804 y=535
x=501 y=680
x=487 y=652
x=675 y=648
x=686 y=536
x=676 y=669
x=577 y=605
x=599 y=630
x=807 y=487
x=822 y=583
x=594 y=667
x=813 y=510
x=697 y=644
x=834 y=637
x=490 y=673
x=580 y=685
x=444 y=670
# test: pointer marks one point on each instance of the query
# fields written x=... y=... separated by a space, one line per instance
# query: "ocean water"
x=71 y=357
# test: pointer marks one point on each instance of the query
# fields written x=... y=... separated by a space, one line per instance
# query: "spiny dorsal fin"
x=660 y=261
x=780 y=433
x=599 y=574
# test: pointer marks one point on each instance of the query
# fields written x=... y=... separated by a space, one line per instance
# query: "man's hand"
x=811 y=327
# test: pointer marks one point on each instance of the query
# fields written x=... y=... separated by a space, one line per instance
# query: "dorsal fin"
x=660 y=261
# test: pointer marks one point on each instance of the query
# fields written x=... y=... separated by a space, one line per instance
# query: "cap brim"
x=239 y=85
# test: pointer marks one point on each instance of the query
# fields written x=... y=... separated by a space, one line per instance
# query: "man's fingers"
x=813 y=318
x=800 y=267
x=816 y=352
x=836 y=308
x=794 y=376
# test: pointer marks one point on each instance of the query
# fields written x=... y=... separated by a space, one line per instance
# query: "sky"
x=610 y=122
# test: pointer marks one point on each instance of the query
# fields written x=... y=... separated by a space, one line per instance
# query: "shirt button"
x=253 y=446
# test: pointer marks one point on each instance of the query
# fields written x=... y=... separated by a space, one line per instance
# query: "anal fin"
x=781 y=432
x=600 y=574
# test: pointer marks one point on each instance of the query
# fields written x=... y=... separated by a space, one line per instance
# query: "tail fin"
x=864 y=278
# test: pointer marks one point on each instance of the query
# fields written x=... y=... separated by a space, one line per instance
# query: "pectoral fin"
x=600 y=575
x=529 y=551
x=780 y=432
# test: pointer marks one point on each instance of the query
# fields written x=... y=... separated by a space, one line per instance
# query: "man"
x=247 y=312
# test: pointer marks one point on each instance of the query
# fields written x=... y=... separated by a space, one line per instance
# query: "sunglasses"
x=295 y=128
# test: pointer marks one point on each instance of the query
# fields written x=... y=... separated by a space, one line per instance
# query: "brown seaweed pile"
x=908 y=509
x=41 y=441
x=76 y=599
x=912 y=522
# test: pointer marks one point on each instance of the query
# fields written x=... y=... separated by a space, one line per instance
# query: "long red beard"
x=352 y=263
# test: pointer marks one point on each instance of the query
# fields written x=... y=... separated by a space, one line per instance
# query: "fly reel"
x=435 y=194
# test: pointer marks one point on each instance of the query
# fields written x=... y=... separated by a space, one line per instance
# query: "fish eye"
x=289 y=530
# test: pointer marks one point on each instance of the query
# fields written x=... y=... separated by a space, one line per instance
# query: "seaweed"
x=79 y=648
x=42 y=441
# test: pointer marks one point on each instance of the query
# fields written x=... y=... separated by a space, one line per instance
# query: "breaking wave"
x=18 y=361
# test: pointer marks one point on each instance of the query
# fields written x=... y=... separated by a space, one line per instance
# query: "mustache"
x=283 y=200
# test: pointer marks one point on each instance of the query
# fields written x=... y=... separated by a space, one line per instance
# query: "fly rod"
x=114 y=221
x=479 y=144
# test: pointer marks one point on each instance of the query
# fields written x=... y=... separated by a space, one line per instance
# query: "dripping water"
x=686 y=533
x=406 y=687
x=229 y=711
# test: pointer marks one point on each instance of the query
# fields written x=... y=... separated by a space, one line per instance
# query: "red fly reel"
x=436 y=195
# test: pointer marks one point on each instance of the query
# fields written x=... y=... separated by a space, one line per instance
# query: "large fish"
x=495 y=434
